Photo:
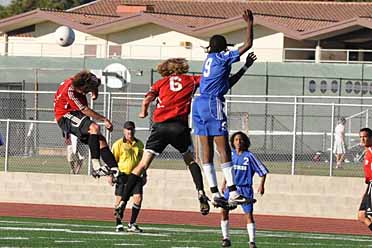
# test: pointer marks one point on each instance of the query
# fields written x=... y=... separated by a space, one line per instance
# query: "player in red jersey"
x=72 y=115
x=173 y=93
x=365 y=211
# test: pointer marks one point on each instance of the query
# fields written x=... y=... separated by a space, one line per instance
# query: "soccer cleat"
x=252 y=245
x=226 y=243
x=120 y=228
x=204 y=205
x=101 y=171
x=220 y=202
x=239 y=199
x=134 y=228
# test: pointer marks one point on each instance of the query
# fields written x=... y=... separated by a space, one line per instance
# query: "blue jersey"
x=216 y=71
x=245 y=165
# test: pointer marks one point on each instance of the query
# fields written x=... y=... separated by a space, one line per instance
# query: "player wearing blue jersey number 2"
x=209 y=119
x=245 y=166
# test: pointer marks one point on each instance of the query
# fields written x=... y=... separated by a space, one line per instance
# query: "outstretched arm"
x=248 y=63
x=145 y=105
x=248 y=18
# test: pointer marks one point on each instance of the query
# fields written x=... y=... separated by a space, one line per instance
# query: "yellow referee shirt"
x=127 y=155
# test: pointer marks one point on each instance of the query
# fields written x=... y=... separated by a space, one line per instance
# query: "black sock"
x=232 y=188
x=93 y=143
x=214 y=189
x=196 y=176
x=118 y=221
x=370 y=227
x=135 y=211
x=132 y=181
x=108 y=158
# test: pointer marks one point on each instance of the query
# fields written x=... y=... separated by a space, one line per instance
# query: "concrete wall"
x=308 y=196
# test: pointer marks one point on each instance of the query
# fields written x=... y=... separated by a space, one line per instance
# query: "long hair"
x=246 y=140
x=86 y=81
x=173 y=66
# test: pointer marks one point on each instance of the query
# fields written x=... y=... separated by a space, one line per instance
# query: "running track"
x=264 y=222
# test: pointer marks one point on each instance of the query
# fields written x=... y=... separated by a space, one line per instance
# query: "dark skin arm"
x=251 y=58
x=248 y=18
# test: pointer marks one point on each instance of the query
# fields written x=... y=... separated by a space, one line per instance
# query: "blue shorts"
x=208 y=117
x=246 y=191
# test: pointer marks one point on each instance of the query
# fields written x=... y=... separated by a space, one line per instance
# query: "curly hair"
x=173 y=66
x=246 y=140
x=86 y=81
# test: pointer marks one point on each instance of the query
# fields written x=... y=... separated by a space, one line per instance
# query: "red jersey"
x=67 y=99
x=368 y=165
x=174 y=95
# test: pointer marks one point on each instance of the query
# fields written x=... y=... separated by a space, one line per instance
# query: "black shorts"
x=175 y=133
x=77 y=123
x=366 y=201
x=122 y=181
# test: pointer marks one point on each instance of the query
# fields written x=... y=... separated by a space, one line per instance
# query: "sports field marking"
x=127 y=244
x=79 y=232
x=68 y=241
x=13 y=238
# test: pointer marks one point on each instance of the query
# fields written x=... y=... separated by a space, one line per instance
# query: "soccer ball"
x=65 y=36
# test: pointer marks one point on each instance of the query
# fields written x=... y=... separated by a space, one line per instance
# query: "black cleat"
x=252 y=245
x=226 y=243
x=204 y=205
x=120 y=228
x=101 y=171
x=220 y=202
x=134 y=228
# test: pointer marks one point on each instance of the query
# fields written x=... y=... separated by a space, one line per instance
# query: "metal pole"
x=294 y=136
x=332 y=137
x=7 y=145
x=367 y=118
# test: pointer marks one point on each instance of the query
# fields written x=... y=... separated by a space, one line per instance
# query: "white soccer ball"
x=65 y=36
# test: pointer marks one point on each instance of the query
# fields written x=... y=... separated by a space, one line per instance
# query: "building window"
x=357 y=87
x=90 y=50
x=334 y=86
x=349 y=87
x=323 y=86
x=364 y=88
x=115 y=51
x=312 y=86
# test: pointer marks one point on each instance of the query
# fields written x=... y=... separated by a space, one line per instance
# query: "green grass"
x=58 y=164
x=28 y=232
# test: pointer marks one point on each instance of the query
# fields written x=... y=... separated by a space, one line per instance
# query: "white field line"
x=357 y=238
x=68 y=241
x=79 y=232
x=126 y=244
x=13 y=238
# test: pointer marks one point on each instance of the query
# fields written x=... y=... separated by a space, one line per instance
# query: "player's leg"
x=118 y=211
x=136 y=208
x=365 y=207
x=225 y=228
x=248 y=215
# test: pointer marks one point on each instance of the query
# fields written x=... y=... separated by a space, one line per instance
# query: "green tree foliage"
x=20 y=6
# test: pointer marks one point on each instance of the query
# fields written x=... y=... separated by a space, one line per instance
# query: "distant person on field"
x=74 y=153
x=365 y=209
x=245 y=166
x=30 y=139
x=339 y=146
x=128 y=151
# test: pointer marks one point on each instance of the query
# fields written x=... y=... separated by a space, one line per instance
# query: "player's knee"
x=361 y=216
x=94 y=128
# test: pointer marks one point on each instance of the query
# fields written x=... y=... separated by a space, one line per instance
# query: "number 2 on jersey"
x=207 y=67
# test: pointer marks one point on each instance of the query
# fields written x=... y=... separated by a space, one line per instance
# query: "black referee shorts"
x=175 y=133
x=122 y=180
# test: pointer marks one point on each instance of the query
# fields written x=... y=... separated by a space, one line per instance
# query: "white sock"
x=228 y=172
x=210 y=173
x=96 y=163
x=251 y=228
x=225 y=229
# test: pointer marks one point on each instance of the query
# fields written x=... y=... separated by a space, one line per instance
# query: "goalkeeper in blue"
x=245 y=165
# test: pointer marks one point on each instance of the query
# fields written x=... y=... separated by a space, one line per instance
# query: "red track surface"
x=264 y=222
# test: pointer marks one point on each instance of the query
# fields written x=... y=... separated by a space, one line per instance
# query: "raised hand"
x=248 y=16
x=251 y=58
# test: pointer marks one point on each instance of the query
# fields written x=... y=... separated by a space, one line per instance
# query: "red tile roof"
x=290 y=17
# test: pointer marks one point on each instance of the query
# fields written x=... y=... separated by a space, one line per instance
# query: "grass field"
x=28 y=232
x=58 y=164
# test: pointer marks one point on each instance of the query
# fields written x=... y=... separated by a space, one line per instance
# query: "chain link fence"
x=291 y=135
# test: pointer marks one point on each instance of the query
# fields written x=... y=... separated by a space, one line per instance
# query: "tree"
x=20 y=6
